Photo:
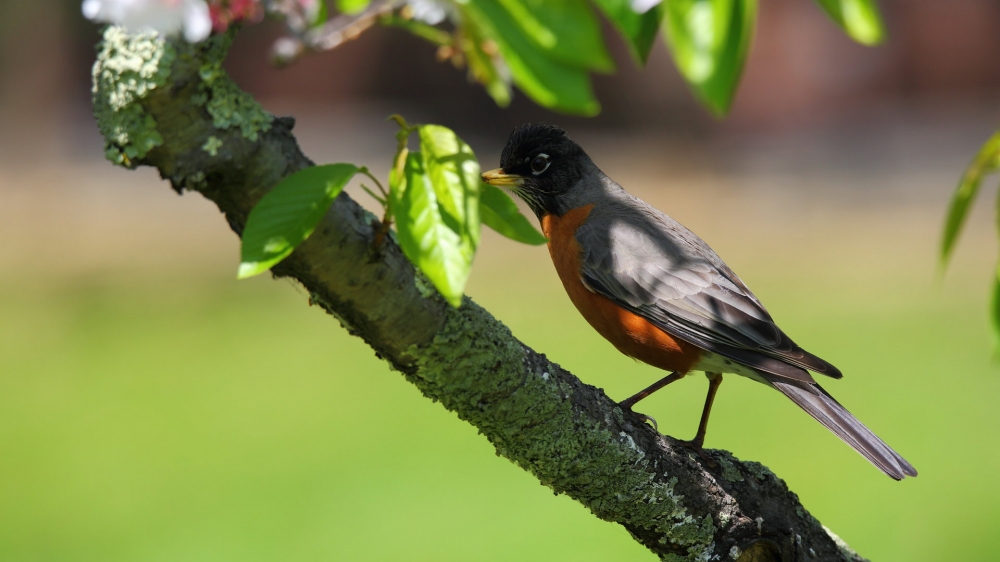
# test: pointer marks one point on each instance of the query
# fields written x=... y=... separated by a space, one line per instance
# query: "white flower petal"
x=431 y=12
x=197 y=21
x=163 y=16
x=92 y=9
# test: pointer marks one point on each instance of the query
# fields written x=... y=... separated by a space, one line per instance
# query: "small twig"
x=403 y=125
x=386 y=202
x=383 y=229
x=437 y=36
x=364 y=170
x=402 y=137
x=330 y=35
x=373 y=196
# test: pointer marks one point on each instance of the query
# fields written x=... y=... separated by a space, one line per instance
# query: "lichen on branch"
x=128 y=68
x=526 y=409
x=228 y=105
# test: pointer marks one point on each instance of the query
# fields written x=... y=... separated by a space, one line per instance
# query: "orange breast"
x=632 y=334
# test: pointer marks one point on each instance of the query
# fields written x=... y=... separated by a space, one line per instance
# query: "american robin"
x=658 y=293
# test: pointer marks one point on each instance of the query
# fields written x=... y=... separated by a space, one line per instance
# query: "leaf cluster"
x=549 y=48
x=435 y=197
x=986 y=161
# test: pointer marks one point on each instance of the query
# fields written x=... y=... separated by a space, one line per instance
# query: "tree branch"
x=169 y=105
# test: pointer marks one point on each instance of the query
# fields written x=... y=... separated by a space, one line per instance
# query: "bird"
x=659 y=293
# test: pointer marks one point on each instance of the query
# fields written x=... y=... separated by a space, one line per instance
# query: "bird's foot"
x=696 y=446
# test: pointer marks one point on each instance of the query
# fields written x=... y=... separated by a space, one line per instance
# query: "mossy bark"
x=186 y=118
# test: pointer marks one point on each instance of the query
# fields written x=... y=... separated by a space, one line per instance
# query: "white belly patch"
x=714 y=363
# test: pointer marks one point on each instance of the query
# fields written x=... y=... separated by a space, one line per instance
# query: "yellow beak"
x=498 y=178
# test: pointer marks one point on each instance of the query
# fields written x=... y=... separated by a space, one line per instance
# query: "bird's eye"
x=540 y=164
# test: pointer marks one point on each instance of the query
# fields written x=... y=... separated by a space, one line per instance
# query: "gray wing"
x=651 y=265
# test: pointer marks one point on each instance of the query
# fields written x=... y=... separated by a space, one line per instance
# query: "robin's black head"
x=539 y=164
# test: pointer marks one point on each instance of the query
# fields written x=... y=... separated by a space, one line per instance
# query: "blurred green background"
x=153 y=408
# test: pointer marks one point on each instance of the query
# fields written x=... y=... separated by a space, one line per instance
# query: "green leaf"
x=397 y=177
x=454 y=173
x=638 y=29
x=550 y=83
x=995 y=301
x=423 y=235
x=288 y=214
x=995 y=308
x=567 y=31
x=859 y=18
x=709 y=40
x=352 y=6
x=483 y=65
x=986 y=160
x=499 y=212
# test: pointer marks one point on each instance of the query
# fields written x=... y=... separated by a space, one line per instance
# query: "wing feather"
x=651 y=265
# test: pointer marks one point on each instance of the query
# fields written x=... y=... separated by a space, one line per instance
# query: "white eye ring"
x=535 y=159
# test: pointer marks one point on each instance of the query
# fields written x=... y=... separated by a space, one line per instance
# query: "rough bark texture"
x=169 y=105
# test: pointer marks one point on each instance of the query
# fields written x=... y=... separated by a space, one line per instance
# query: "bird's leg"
x=714 y=380
x=629 y=402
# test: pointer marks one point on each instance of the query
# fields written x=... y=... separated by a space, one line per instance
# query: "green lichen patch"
x=131 y=65
x=466 y=345
x=695 y=535
x=128 y=68
x=759 y=471
x=423 y=284
x=195 y=181
x=212 y=146
x=229 y=106
x=729 y=470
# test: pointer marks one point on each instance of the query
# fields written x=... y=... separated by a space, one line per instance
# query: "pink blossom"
x=226 y=12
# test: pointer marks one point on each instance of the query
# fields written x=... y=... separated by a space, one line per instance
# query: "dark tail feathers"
x=831 y=414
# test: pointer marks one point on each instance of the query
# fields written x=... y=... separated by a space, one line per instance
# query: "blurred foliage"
x=859 y=18
x=986 y=161
x=352 y=6
x=638 y=29
x=548 y=48
x=710 y=41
